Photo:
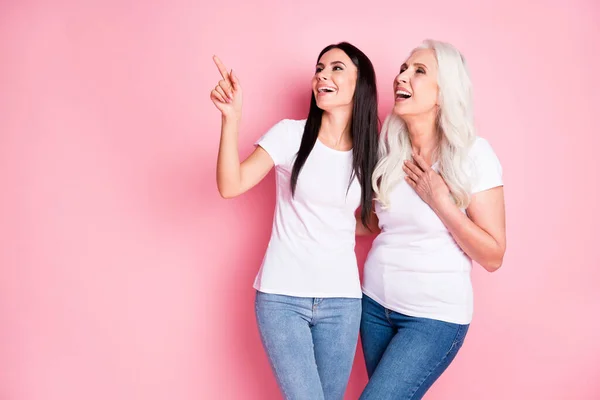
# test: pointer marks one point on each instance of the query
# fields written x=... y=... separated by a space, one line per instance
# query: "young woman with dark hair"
x=308 y=302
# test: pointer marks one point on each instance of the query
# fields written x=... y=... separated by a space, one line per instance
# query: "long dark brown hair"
x=364 y=127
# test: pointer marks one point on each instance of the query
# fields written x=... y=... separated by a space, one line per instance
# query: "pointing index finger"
x=221 y=68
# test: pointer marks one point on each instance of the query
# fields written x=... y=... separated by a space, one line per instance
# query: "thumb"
x=234 y=80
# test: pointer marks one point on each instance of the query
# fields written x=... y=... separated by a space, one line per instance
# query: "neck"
x=335 y=128
x=424 y=136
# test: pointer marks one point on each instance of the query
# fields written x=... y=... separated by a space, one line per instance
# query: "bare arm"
x=233 y=177
x=481 y=233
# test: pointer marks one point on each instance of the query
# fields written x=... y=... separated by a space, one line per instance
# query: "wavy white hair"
x=454 y=121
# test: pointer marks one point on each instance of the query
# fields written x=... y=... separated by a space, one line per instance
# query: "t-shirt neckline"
x=332 y=149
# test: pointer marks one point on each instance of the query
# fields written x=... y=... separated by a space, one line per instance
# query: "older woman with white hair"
x=439 y=205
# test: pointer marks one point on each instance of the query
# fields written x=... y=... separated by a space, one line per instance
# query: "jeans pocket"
x=459 y=339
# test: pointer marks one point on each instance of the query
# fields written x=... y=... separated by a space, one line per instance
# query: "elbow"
x=227 y=193
x=495 y=258
x=228 y=189
x=493 y=264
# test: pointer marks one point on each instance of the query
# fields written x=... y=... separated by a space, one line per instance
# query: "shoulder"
x=294 y=125
x=283 y=140
x=289 y=126
x=481 y=152
x=480 y=147
x=485 y=167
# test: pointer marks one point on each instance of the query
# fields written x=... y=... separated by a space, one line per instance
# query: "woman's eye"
x=319 y=69
x=420 y=70
x=338 y=68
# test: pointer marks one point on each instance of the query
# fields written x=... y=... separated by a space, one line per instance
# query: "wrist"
x=443 y=204
x=231 y=119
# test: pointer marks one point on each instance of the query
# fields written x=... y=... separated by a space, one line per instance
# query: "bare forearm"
x=474 y=241
x=228 y=161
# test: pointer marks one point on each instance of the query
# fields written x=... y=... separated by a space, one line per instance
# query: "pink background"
x=125 y=276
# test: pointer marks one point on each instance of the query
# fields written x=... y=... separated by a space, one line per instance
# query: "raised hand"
x=227 y=95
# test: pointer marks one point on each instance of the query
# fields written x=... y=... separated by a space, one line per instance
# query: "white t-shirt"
x=311 y=251
x=415 y=267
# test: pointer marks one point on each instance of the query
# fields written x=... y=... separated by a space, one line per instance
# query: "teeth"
x=326 y=89
x=403 y=93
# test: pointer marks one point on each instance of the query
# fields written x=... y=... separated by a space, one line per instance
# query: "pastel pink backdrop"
x=124 y=275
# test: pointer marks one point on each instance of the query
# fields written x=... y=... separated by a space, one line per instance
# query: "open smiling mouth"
x=325 y=89
x=402 y=95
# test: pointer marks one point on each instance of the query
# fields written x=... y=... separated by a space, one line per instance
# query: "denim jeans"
x=310 y=342
x=405 y=355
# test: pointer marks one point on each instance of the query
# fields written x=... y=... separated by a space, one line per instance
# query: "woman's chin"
x=400 y=109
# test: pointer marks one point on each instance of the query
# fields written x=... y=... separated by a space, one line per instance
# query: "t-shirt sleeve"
x=280 y=142
x=486 y=167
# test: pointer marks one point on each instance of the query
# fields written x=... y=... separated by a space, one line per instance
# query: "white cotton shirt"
x=311 y=250
x=415 y=267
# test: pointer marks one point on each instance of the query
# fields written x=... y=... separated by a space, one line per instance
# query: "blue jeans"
x=310 y=342
x=405 y=355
